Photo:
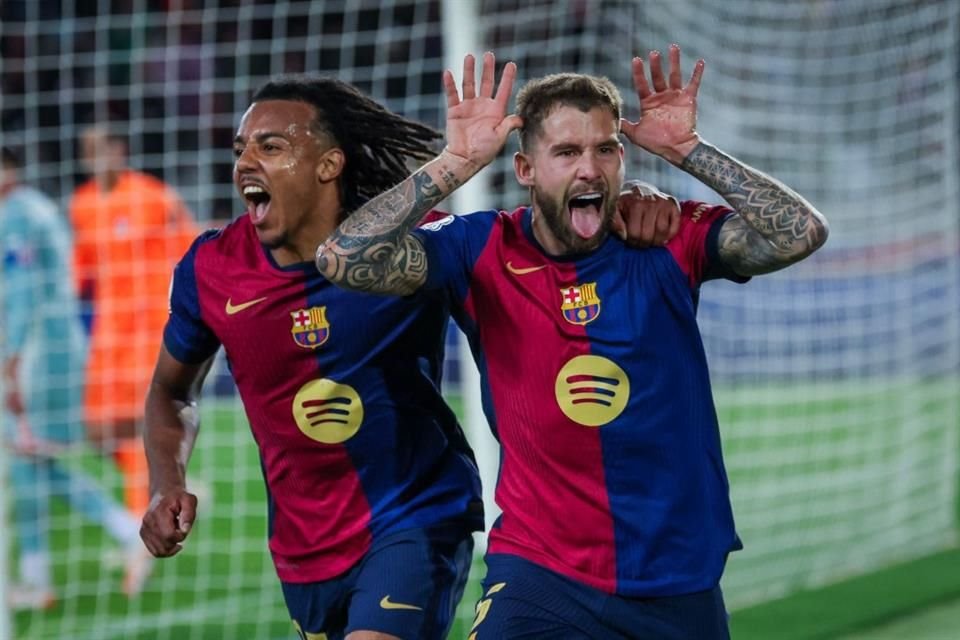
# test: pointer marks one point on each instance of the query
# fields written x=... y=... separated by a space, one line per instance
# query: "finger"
x=616 y=223
x=676 y=81
x=469 y=78
x=656 y=72
x=648 y=222
x=674 y=220
x=160 y=543
x=694 y=85
x=487 y=75
x=662 y=229
x=506 y=85
x=450 y=87
x=188 y=513
x=639 y=78
x=507 y=125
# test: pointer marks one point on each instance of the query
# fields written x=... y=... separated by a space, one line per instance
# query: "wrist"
x=677 y=153
x=450 y=170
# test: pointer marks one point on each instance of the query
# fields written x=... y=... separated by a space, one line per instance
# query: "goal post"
x=835 y=380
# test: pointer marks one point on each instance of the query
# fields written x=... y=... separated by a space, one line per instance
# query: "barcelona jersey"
x=342 y=392
x=595 y=382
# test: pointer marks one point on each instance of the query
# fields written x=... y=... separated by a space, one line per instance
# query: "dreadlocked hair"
x=381 y=147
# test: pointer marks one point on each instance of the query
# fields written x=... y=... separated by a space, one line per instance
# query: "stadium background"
x=837 y=381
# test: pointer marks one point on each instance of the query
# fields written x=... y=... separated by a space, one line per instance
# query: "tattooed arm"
x=372 y=249
x=774 y=227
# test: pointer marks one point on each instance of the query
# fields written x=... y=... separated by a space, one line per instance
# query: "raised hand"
x=668 y=110
x=477 y=123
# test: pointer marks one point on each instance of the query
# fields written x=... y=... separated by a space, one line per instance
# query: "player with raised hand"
x=373 y=492
x=616 y=513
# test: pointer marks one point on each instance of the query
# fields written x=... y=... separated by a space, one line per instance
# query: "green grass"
x=939 y=622
x=222 y=586
x=862 y=602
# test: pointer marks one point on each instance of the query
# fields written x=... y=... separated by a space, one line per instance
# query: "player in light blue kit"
x=43 y=350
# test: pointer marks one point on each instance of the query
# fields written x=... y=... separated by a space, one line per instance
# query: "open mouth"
x=258 y=202
x=585 y=213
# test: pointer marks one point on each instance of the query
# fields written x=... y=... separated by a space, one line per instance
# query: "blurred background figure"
x=43 y=375
x=130 y=229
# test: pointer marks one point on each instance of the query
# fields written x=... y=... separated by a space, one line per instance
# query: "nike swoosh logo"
x=386 y=603
x=522 y=271
x=237 y=308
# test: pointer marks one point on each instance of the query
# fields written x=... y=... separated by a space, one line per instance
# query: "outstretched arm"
x=775 y=227
x=372 y=249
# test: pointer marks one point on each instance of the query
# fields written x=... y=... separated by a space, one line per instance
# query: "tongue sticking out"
x=585 y=220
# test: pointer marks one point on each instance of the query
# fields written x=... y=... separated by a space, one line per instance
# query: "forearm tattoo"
x=776 y=227
x=372 y=249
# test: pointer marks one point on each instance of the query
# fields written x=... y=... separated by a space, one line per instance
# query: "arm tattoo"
x=775 y=226
x=372 y=249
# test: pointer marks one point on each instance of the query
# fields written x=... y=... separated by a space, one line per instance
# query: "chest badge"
x=580 y=303
x=310 y=327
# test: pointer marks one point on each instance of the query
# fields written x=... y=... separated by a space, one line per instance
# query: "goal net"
x=835 y=380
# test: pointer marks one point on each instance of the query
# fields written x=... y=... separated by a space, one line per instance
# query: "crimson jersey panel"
x=595 y=381
x=342 y=392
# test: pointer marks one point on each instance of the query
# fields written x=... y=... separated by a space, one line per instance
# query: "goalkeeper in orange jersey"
x=130 y=228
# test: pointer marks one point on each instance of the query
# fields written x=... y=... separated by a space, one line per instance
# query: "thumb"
x=627 y=128
x=188 y=513
x=508 y=124
x=617 y=224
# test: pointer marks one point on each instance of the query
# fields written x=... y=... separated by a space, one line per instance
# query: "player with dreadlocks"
x=373 y=492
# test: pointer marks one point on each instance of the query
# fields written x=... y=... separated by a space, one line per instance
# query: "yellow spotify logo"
x=592 y=390
x=327 y=411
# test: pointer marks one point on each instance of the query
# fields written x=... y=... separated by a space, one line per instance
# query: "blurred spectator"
x=130 y=229
x=43 y=376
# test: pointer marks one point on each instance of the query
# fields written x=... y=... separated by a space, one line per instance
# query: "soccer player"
x=373 y=492
x=129 y=230
x=43 y=355
x=616 y=515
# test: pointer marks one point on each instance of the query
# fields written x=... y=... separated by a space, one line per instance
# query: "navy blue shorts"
x=408 y=584
x=524 y=600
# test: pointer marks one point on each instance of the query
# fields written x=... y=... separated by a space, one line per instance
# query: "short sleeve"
x=696 y=245
x=186 y=336
x=453 y=244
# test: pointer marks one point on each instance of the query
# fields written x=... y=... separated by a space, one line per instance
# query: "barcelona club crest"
x=580 y=303
x=310 y=327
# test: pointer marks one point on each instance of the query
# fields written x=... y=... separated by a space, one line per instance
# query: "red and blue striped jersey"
x=342 y=393
x=595 y=382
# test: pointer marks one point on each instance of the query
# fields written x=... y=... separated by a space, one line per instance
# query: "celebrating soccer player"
x=616 y=516
x=373 y=491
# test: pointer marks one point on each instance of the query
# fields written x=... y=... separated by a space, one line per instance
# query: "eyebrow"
x=613 y=140
x=260 y=137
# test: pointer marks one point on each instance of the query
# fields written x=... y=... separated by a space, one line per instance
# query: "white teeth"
x=250 y=188
x=588 y=198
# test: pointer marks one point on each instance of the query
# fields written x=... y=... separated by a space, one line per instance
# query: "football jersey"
x=342 y=393
x=595 y=382
x=126 y=241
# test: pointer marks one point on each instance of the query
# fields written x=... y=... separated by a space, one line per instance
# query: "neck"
x=301 y=246
x=541 y=231
x=108 y=180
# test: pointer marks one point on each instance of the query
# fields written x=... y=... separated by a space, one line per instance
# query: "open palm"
x=668 y=110
x=477 y=124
